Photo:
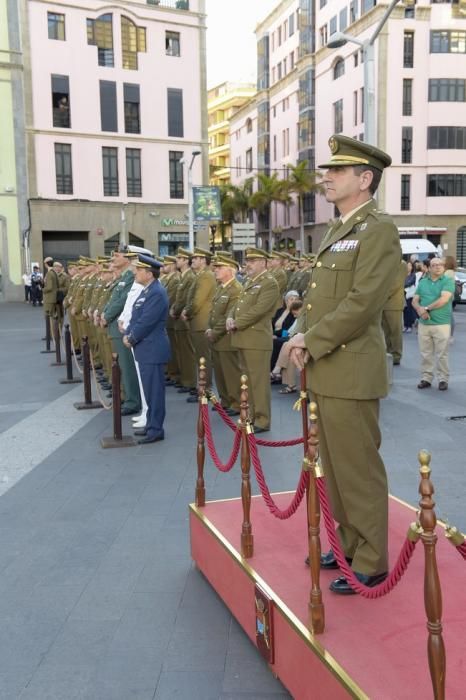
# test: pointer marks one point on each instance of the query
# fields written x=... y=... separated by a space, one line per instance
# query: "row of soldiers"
x=205 y=296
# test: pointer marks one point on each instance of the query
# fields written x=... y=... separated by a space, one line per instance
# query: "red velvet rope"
x=210 y=443
x=265 y=443
x=272 y=506
x=392 y=579
x=462 y=549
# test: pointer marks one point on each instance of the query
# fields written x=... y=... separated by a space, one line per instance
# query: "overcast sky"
x=231 y=44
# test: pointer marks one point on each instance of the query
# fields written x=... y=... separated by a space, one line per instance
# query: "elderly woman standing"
x=281 y=323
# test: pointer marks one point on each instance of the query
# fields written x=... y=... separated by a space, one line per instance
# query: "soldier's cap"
x=224 y=261
x=102 y=259
x=201 y=253
x=83 y=260
x=106 y=267
x=169 y=259
x=183 y=253
x=310 y=256
x=277 y=254
x=348 y=151
x=148 y=262
x=126 y=249
x=225 y=253
x=256 y=253
x=294 y=259
x=48 y=259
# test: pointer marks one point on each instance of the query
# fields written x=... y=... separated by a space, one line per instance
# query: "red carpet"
x=370 y=648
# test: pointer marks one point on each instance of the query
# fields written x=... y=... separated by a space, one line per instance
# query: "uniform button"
x=343 y=346
x=313 y=285
x=333 y=265
x=319 y=264
x=309 y=307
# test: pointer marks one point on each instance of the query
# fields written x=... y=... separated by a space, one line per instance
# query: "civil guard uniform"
x=353 y=273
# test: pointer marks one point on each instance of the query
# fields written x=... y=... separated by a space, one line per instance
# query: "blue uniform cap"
x=148 y=262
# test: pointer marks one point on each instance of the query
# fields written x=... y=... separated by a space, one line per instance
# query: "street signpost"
x=243 y=236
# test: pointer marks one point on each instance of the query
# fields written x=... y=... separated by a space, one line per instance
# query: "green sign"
x=206 y=204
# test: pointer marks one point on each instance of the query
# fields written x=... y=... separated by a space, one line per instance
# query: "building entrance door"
x=65 y=245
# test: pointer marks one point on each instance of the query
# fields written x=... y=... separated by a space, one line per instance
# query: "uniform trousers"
x=186 y=358
x=153 y=380
x=141 y=388
x=434 y=344
x=227 y=373
x=173 y=367
x=349 y=442
x=256 y=365
x=129 y=378
x=201 y=347
x=392 y=326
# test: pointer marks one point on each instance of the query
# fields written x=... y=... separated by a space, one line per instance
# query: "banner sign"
x=206 y=204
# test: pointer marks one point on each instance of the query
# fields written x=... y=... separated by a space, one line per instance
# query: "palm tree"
x=271 y=189
x=303 y=181
x=234 y=201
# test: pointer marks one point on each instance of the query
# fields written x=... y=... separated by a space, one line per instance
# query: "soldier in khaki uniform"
x=225 y=358
x=341 y=341
x=50 y=289
x=276 y=267
x=197 y=310
x=392 y=315
x=251 y=328
x=170 y=280
x=183 y=337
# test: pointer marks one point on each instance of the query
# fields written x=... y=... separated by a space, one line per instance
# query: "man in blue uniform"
x=147 y=335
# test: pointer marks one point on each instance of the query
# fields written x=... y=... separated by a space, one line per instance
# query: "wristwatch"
x=426 y=308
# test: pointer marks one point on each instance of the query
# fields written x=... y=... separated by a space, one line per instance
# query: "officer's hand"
x=299 y=357
x=126 y=341
x=297 y=341
x=121 y=326
x=209 y=334
x=183 y=316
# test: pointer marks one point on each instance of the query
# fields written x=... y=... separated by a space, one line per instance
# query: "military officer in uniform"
x=251 y=329
x=392 y=315
x=147 y=336
x=183 y=337
x=225 y=358
x=50 y=289
x=276 y=267
x=341 y=343
x=170 y=281
x=197 y=310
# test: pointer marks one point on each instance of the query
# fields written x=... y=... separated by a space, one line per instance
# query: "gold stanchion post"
x=247 y=538
x=432 y=589
x=316 y=606
x=200 y=451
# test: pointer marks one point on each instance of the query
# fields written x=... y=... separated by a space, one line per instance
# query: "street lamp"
x=190 y=197
x=340 y=39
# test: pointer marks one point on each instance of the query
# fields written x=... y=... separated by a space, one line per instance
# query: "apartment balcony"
x=219 y=126
x=171 y=4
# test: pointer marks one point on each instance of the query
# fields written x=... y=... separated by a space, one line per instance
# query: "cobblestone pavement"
x=98 y=596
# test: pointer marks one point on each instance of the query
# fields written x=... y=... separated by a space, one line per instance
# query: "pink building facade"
x=117 y=100
x=420 y=69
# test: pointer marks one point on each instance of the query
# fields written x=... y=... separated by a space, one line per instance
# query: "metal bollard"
x=69 y=360
x=88 y=402
x=118 y=440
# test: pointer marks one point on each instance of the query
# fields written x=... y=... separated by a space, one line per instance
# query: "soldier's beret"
x=348 y=151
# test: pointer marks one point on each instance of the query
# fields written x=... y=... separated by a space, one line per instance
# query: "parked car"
x=460 y=277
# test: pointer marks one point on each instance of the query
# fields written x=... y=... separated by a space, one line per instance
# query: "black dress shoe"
x=140 y=432
x=146 y=440
x=184 y=390
x=328 y=561
x=109 y=395
x=258 y=429
x=443 y=386
x=106 y=386
x=192 y=399
x=423 y=384
x=193 y=392
x=130 y=411
x=341 y=586
x=169 y=382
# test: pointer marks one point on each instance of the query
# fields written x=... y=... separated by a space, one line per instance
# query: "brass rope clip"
x=249 y=428
x=204 y=400
x=306 y=465
x=414 y=532
x=318 y=469
x=454 y=536
x=302 y=397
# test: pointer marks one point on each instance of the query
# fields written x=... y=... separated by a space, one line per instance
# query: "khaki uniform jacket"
x=223 y=304
x=281 y=279
x=181 y=298
x=50 y=287
x=354 y=271
x=253 y=313
x=171 y=283
x=396 y=298
x=78 y=297
x=199 y=300
x=67 y=301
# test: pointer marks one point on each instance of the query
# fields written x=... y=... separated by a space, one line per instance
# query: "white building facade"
x=420 y=69
x=117 y=100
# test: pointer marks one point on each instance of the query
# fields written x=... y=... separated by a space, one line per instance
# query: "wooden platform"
x=370 y=649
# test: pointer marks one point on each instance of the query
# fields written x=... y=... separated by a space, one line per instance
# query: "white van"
x=420 y=247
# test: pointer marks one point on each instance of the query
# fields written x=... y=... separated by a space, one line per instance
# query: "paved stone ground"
x=98 y=596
